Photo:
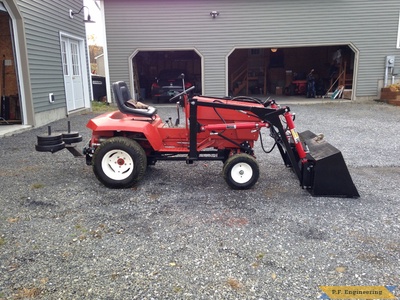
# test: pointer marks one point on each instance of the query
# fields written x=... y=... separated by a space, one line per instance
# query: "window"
x=75 y=59
x=256 y=52
x=64 y=57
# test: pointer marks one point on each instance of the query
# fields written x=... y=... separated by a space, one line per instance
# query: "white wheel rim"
x=117 y=164
x=241 y=173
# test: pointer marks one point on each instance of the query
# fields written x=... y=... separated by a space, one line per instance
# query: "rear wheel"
x=241 y=171
x=119 y=162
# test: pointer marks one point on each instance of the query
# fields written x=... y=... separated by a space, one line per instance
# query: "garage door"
x=148 y=66
x=271 y=71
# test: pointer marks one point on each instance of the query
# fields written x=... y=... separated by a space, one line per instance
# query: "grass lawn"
x=100 y=107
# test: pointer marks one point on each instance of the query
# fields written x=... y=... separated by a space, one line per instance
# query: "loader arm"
x=270 y=116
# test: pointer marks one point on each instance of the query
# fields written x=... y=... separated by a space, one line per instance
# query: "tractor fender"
x=119 y=122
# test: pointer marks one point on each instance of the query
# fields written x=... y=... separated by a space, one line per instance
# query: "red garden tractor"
x=125 y=142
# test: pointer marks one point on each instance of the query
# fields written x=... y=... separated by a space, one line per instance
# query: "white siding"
x=370 y=26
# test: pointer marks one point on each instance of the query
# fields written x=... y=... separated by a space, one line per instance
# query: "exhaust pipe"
x=325 y=173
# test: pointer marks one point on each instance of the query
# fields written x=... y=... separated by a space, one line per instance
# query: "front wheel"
x=119 y=162
x=241 y=171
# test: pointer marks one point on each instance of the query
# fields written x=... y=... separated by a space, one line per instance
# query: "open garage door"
x=156 y=73
x=303 y=71
x=10 y=100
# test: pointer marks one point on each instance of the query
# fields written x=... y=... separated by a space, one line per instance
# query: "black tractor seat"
x=122 y=96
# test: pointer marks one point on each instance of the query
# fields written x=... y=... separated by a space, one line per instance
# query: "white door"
x=72 y=68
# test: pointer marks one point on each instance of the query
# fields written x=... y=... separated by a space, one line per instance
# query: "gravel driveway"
x=181 y=233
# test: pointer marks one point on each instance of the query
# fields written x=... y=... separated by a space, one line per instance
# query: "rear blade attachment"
x=325 y=173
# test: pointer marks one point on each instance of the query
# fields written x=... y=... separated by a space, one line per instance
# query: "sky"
x=94 y=29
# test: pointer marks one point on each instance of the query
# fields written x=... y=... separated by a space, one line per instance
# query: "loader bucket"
x=325 y=173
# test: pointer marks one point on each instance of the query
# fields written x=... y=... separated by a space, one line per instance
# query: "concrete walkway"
x=8 y=130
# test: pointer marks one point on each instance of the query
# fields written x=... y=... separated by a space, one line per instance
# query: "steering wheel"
x=182 y=93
